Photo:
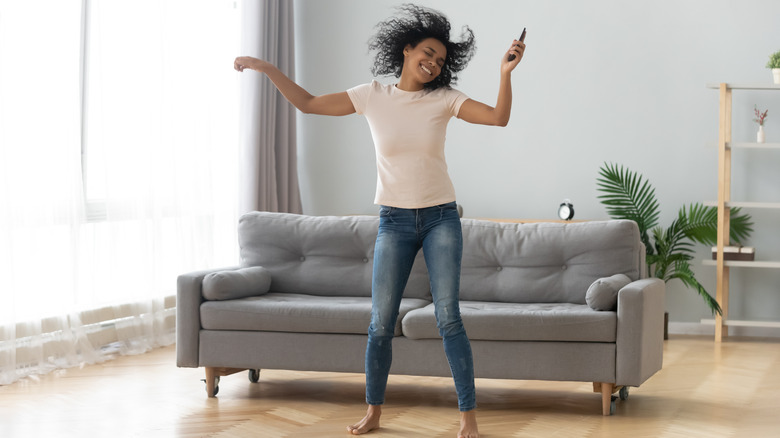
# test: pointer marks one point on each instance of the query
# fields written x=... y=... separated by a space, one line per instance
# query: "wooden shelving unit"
x=724 y=205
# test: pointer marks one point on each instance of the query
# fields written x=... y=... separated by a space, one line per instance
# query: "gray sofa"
x=301 y=300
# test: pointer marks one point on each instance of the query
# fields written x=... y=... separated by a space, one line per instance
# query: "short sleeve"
x=359 y=97
x=454 y=99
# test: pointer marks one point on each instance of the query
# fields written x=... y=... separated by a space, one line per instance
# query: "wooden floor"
x=704 y=390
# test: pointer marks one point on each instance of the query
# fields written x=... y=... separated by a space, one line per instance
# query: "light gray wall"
x=601 y=80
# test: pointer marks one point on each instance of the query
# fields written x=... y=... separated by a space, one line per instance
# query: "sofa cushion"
x=283 y=312
x=520 y=322
x=240 y=283
x=319 y=255
x=603 y=293
x=545 y=262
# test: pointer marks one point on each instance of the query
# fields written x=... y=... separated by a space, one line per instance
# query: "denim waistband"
x=445 y=205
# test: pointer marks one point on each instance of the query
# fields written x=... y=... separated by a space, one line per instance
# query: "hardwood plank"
x=706 y=389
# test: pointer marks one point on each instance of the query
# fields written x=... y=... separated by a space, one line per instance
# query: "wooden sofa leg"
x=606 y=398
x=211 y=381
x=212 y=378
x=606 y=390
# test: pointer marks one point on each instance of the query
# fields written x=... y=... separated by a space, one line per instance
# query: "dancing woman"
x=416 y=198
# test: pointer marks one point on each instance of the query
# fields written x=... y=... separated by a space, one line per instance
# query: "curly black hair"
x=415 y=24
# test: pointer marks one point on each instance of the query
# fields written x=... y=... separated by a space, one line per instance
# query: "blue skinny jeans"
x=402 y=232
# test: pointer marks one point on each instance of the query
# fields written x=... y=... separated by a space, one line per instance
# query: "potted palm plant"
x=627 y=195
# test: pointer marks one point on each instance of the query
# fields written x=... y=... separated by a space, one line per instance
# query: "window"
x=118 y=149
x=118 y=171
x=158 y=87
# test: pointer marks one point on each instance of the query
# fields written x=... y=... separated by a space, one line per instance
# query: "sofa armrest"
x=189 y=296
x=640 y=331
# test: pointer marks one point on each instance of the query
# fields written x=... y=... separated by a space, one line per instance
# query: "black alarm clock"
x=566 y=210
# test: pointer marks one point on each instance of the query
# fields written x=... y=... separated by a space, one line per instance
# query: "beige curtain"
x=269 y=176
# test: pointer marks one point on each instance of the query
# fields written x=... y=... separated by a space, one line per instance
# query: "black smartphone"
x=511 y=56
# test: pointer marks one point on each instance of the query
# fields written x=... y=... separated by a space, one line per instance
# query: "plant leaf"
x=741 y=226
x=628 y=196
x=682 y=271
x=702 y=224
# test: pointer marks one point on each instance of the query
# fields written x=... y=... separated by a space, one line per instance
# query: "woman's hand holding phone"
x=512 y=56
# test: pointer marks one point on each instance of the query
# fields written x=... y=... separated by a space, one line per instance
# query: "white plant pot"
x=760 y=137
x=776 y=75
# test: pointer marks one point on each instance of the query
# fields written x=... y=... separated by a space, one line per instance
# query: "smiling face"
x=423 y=62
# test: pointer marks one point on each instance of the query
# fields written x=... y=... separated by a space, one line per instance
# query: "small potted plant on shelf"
x=760 y=137
x=774 y=64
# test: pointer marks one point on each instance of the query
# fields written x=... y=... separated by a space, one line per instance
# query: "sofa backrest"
x=545 y=262
x=318 y=255
x=504 y=262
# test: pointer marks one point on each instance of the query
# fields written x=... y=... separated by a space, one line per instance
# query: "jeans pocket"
x=447 y=209
x=386 y=214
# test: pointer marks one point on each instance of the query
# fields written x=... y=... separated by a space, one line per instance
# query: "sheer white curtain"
x=118 y=171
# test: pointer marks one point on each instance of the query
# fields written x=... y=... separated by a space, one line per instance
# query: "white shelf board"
x=742 y=264
x=737 y=323
x=747 y=86
x=742 y=204
x=753 y=145
x=753 y=204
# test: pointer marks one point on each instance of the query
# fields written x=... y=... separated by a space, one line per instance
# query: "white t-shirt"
x=409 y=129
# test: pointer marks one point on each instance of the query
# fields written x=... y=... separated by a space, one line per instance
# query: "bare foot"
x=368 y=423
x=468 y=425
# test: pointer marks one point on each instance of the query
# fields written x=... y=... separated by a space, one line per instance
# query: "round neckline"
x=395 y=88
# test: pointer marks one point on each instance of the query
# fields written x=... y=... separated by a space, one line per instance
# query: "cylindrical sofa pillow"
x=603 y=293
x=241 y=283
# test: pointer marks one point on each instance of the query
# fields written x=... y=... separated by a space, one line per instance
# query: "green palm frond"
x=670 y=247
x=740 y=227
x=628 y=196
x=682 y=271
x=664 y=267
x=702 y=224
x=672 y=239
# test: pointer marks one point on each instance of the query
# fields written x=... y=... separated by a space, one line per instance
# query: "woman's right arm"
x=337 y=104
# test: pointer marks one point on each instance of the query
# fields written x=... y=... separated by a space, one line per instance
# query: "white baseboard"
x=695 y=328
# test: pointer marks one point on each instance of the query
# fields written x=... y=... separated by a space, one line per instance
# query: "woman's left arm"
x=473 y=111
